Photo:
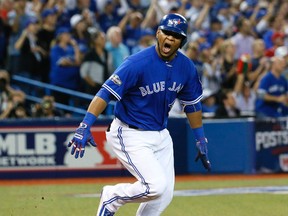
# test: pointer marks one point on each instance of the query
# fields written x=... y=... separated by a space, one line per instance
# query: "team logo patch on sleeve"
x=115 y=79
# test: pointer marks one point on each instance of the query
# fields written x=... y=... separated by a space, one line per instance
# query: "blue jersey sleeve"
x=121 y=80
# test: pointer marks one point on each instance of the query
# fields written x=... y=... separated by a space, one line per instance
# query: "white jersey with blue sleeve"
x=146 y=87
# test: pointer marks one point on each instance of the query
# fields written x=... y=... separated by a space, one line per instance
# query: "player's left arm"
x=190 y=97
x=195 y=121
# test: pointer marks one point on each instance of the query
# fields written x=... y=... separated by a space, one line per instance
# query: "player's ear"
x=157 y=33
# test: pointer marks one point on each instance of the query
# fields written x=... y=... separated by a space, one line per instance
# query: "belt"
x=133 y=127
x=128 y=125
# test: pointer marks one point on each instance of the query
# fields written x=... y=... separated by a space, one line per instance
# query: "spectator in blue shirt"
x=65 y=60
x=131 y=29
x=63 y=14
x=108 y=17
x=272 y=97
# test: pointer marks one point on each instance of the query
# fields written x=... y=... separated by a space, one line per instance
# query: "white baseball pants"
x=147 y=155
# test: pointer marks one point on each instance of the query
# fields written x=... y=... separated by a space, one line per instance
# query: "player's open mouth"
x=166 y=48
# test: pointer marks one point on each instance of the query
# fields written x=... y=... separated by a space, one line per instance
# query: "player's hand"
x=203 y=153
x=81 y=137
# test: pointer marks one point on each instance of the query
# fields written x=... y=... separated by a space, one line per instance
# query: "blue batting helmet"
x=176 y=23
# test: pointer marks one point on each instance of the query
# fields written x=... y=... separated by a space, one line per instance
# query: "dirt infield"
x=130 y=179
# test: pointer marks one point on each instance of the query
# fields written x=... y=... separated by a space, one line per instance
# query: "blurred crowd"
x=238 y=46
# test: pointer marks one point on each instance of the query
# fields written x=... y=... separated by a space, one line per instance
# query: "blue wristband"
x=89 y=119
x=199 y=133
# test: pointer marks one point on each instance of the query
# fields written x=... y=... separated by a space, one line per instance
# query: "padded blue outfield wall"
x=38 y=148
x=231 y=146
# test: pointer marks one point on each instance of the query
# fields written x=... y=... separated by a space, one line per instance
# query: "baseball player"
x=145 y=87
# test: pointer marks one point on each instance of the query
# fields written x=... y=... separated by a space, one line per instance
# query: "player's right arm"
x=113 y=88
x=97 y=106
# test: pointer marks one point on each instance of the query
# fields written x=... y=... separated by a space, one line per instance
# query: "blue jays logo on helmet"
x=176 y=23
x=173 y=22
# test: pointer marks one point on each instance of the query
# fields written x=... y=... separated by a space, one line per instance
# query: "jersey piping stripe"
x=112 y=92
x=119 y=135
x=192 y=102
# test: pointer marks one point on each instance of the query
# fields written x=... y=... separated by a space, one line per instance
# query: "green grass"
x=58 y=200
